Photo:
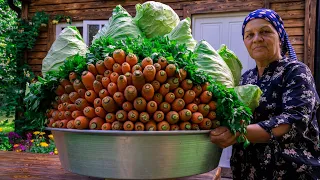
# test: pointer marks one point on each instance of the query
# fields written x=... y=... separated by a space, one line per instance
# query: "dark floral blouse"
x=289 y=97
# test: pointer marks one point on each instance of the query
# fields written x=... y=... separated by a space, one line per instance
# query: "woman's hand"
x=223 y=137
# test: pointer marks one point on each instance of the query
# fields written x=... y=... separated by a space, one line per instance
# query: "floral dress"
x=289 y=97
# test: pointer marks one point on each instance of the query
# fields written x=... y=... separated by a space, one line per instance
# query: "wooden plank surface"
x=29 y=166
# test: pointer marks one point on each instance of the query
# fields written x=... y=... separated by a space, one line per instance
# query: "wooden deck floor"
x=15 y=165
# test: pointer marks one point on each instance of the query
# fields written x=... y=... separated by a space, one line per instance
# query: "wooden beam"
x=309 y=33
x=267 y=4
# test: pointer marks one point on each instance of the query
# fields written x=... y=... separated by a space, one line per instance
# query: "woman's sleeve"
x=299 y=99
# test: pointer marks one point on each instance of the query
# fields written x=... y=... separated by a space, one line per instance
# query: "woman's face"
x=262 y=41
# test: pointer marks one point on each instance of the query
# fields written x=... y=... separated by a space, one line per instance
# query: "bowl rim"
x=122 y=132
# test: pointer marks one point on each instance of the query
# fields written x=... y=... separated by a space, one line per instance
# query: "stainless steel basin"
x=134 y=154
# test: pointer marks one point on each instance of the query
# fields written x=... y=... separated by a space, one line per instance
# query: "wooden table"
x=18 y=165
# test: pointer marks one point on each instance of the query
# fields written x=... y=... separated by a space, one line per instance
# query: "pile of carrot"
x=121 y=93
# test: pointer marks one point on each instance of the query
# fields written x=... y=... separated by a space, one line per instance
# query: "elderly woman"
x=284 y=133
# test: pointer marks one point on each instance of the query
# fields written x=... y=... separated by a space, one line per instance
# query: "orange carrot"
x=117 y=68
x=165 y=107
x=163 y=126
x=205 y=86
x=92 y=68
x=81 y=122
x=158 y=98
x=197 y=89
x=97 y=102
x=81 y=103
x=71 y=107
x=128 y=126
x=163 y=62
x=99 y=78
x=69 y=88
x=179 y=92
x=110 y=117
x=49 y=113
x=103 y=93
x=205 y=124
x=189 y=96
x=185 y=115
x=97 y=86
x=100 y=67
x=172 y=117
x=152 y=107
x=214 y=124
x=136 y=67
x=90 y=96
x=73 y=96
x=147 y=92
x=174 y=83
x=70 y=124
x=65 y=82
x=139 y=104
x=60 y=90
x=181 y=74
x=196 y=101
x=56 y=124
x=72 y=77
x=144 y=117
x=108 y=62
x=63 y=123
x=192 y=107
x=156 y=85
x=178 y=104
x=125 y=67
x=107 y=73
x=96 y=123
x=116 y=125
x=138 y=126
x=122 y=83
x=171 y=70
x=130 y=93
x=112 y=88
x=131 y=59
x=129 y=78
x=195 y=126
x=212 y=105
x=119 y=56
x=114 y=77
x=58 y=99
x=212 y=115
x=164 y=89
x=60 y=107
x=149 y=72
x=186 y=84
x=158 y=116
x=161 y=76
x=100 y=112
x=87 y=79
x=205 y=97
x=196 y=118
x=61 y=115
x=133 y=115
x=76 y=114
x=138 y=79
x=118 y=97
x=169 y=97
x=146 y=61
x=157 y=66
x=151 y=126
x=174 y=127
x=105 y=82
x=89 y=112
x=65 y=98
x=106 y=126
x=204 y=109
x=127 y=106
x=77 y=84
x=109 y=104
x=65 y=105
x=185 y=125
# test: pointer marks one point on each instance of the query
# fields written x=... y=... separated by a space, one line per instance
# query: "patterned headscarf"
x=276 y=21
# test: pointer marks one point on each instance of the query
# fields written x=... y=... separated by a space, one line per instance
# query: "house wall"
x=298 y=16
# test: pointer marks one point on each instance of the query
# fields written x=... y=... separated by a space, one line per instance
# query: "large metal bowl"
x=134 y=154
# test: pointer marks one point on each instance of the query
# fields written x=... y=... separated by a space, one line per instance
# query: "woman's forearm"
x=256 y=134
